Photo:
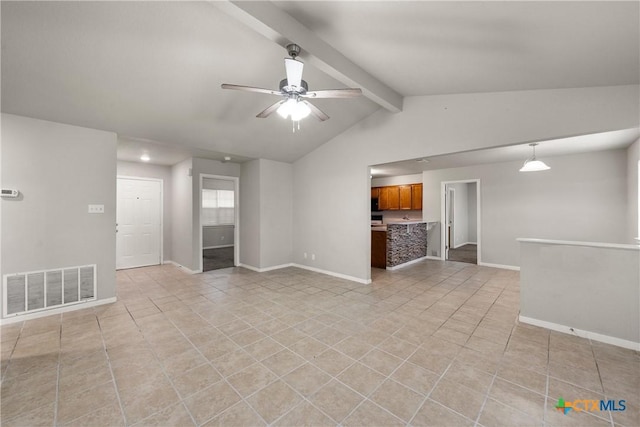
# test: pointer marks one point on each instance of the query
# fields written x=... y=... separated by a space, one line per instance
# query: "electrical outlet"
x=305 y=255
x=313 y=257
x=96 y=209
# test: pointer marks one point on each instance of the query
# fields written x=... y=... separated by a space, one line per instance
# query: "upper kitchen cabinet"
x=405 y=197
x=389 y=199
x=398 y=197
x=416 y=197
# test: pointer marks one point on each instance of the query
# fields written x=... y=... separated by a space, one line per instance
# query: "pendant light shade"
x=532 y=164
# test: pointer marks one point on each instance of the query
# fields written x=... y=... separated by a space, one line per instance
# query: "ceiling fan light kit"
x=532 y=164
x=293 y=89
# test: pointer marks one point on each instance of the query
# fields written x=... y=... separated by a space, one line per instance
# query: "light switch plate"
x=96 y=209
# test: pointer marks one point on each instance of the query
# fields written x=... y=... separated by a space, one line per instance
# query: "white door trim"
x=451 y=218
x=236 y=214
x=143 y=178
x=443 y=218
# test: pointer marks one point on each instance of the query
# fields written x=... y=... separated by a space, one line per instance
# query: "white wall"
x=276 y=213
x=472 y=204
x=582 y=290
x=59 y=169
x=390 y=216
x=215 y=236
x=582 y=197
x=336 y=174
x=158 y=172
x=633 y=159
x=396 y=180
x=250 y=214
x=266 y=214
x=181 y=214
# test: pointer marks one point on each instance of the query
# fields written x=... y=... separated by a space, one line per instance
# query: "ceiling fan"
x=294 y=90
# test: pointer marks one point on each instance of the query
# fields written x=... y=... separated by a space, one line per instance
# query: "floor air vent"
x=43 y=290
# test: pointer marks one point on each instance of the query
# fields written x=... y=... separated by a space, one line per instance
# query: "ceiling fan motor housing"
x=289 y=89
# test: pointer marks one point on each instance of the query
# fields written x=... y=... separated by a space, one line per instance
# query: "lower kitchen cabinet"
x=379 y=249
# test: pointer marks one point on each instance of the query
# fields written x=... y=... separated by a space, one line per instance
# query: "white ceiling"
x=131 y=149
x=435 y=47
x=545 y=149
x=151 y=71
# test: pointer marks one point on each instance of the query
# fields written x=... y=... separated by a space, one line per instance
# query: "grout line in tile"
x=209 y=362
x=113 y=378
x=336 y=308
x=57 y=395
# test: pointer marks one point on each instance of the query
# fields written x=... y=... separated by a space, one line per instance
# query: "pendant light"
x=532 y=164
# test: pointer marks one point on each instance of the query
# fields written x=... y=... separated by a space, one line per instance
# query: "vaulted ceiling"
x=151 y=71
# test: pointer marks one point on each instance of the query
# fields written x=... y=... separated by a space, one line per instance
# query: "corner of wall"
x=633 y=184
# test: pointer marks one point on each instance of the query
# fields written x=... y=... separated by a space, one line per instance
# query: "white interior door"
x=138 y=220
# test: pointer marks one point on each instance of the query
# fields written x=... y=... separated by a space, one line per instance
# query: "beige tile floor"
x=432 y=344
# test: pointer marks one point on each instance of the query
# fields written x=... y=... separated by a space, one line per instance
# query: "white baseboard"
x=334 y=274
x=395 y=267
x=262 y=270
x=437 y=258
x=180 y=266
x=504 y=267
x=73 y=307
x=218 y=247
x=607 y=339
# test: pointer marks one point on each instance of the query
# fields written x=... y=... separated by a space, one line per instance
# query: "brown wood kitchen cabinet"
x=405 y=197
x=379 y=249
x=416 y=197
x=389 y=198
x=398 y=197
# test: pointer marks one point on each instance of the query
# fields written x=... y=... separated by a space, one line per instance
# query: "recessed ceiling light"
x=145 y=158
x=227 y=158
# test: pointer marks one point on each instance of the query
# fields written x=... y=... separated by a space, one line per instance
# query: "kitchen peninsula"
x=397 y=243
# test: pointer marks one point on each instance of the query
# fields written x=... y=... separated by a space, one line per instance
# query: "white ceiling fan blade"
x=294 y=72
x=269 y=110
x=250 y=89
x=334 y=93
x=316 y=112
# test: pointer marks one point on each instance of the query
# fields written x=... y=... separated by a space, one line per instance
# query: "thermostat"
x=11 y=194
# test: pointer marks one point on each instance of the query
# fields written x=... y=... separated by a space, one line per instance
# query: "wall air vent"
x=46 y=289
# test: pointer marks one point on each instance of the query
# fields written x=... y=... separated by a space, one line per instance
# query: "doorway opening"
x=461 y=237
x=138 y=222
x=218 y=222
